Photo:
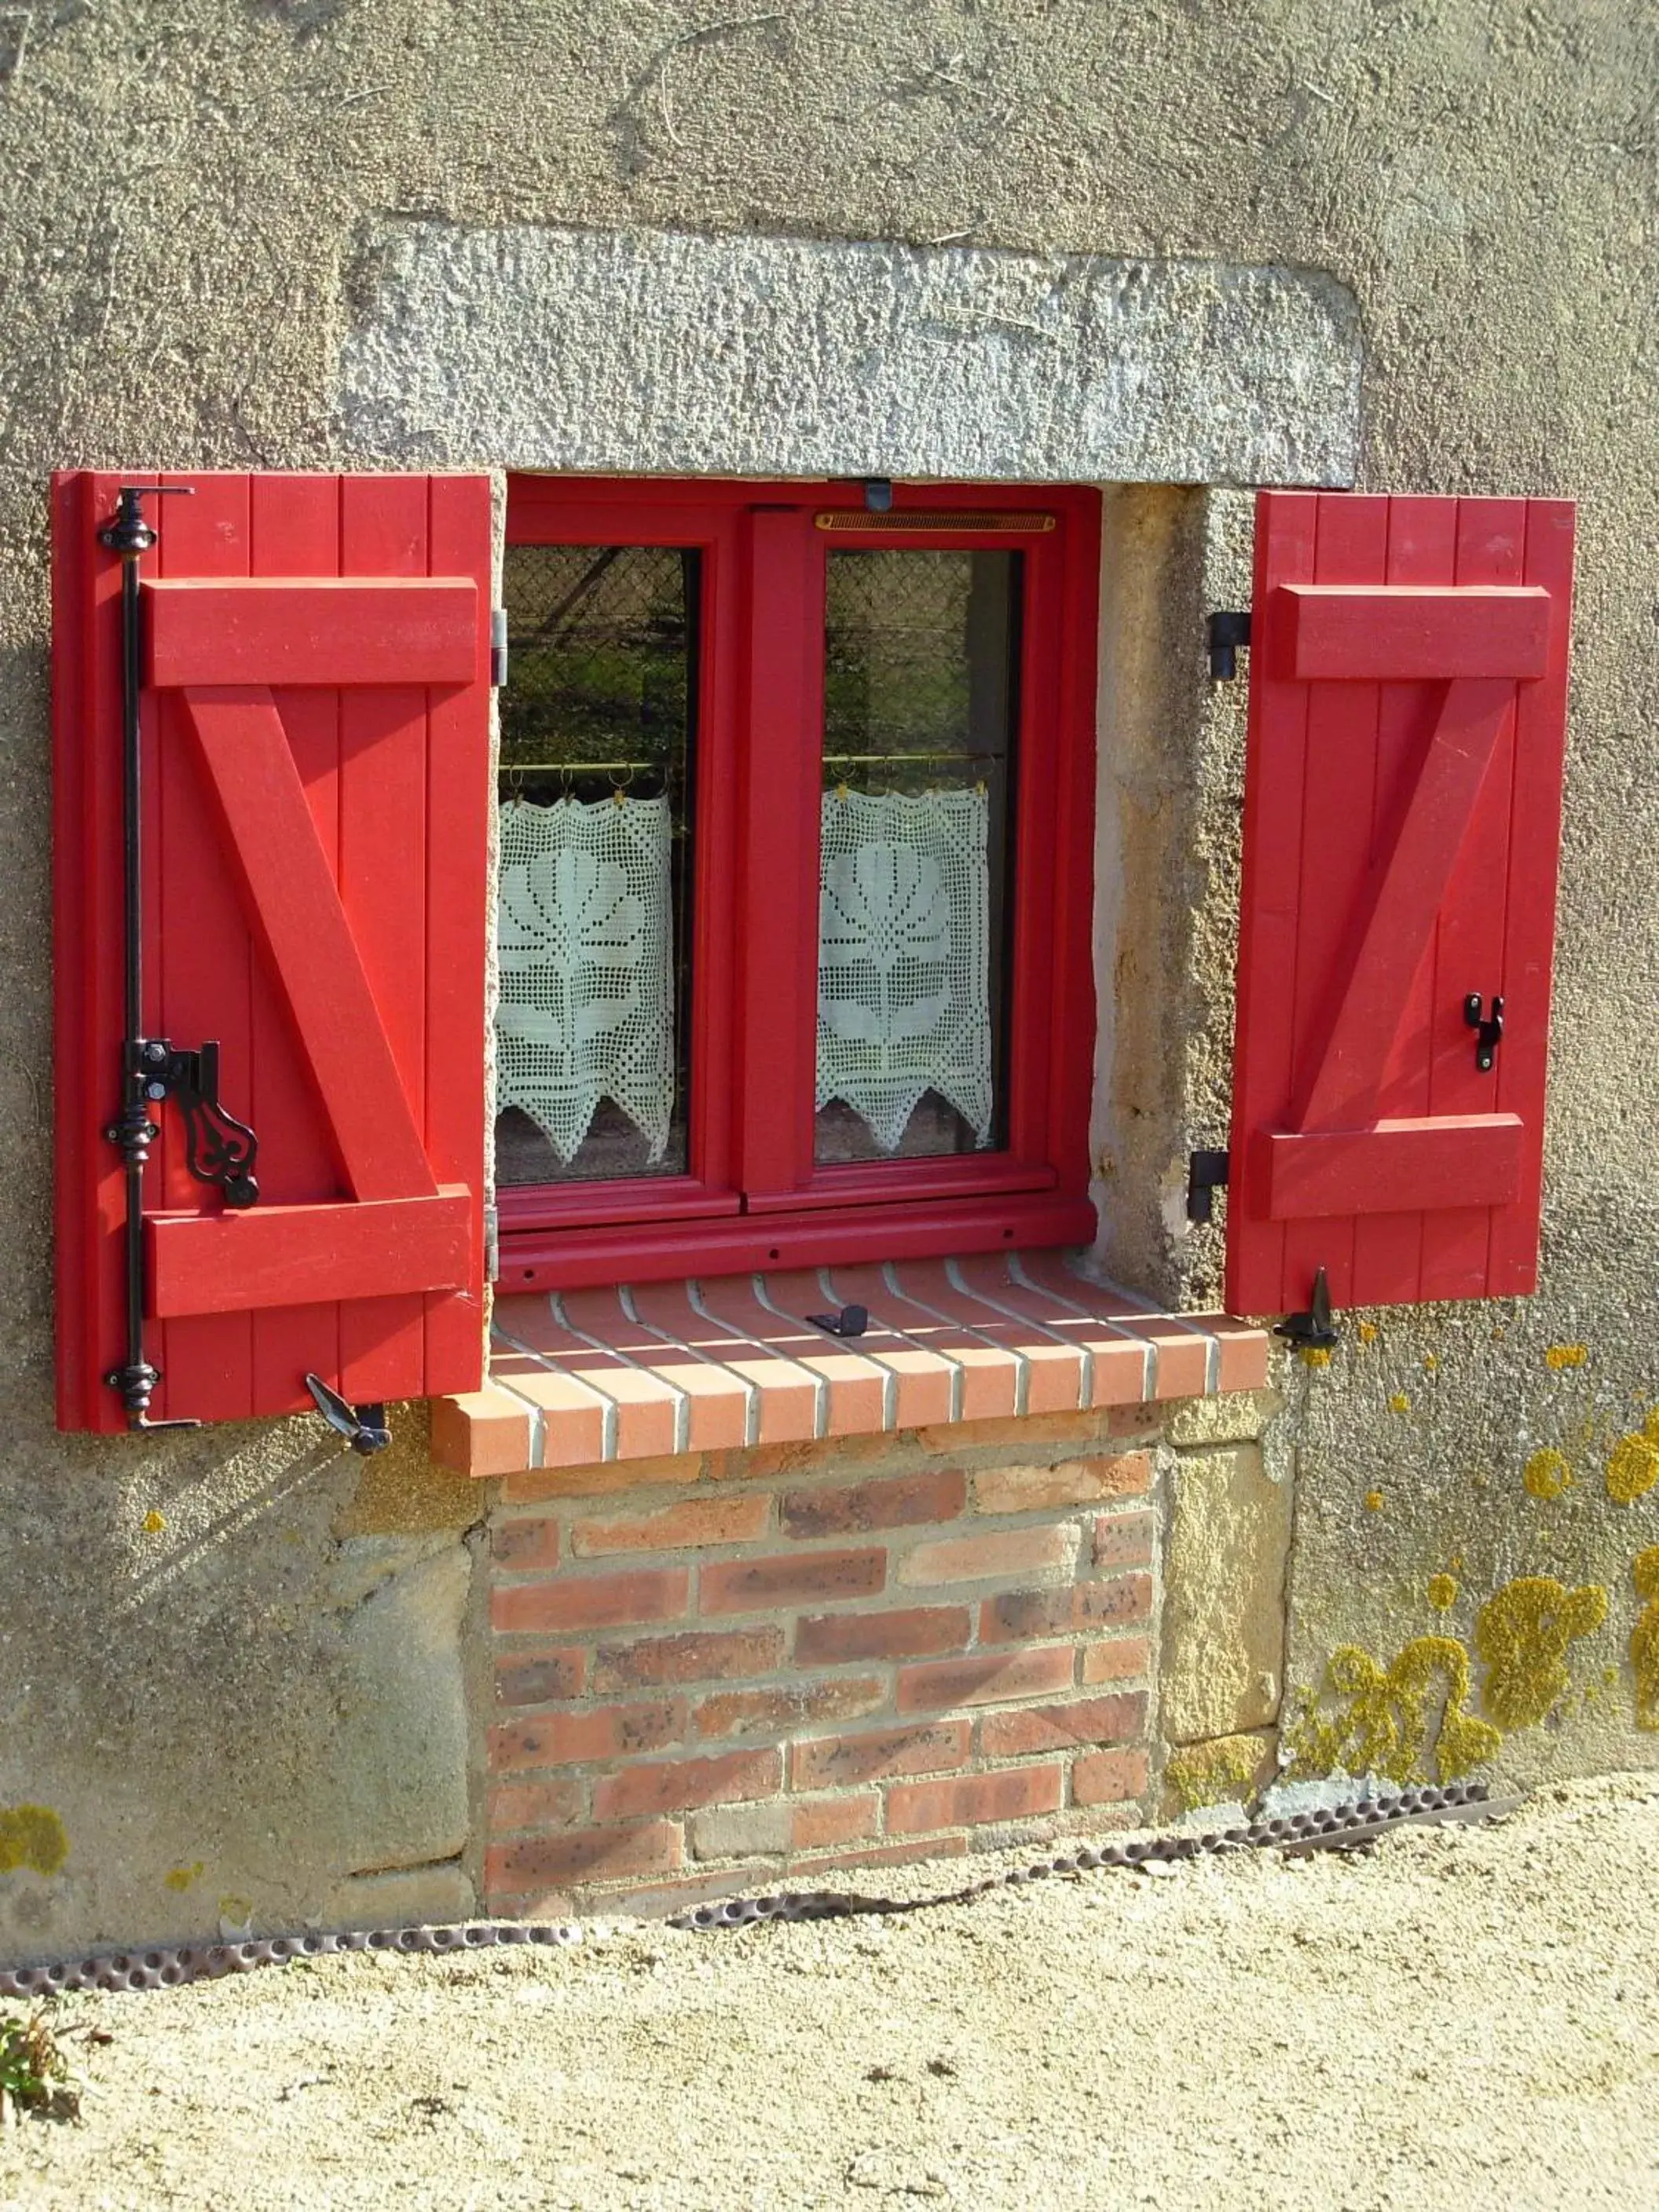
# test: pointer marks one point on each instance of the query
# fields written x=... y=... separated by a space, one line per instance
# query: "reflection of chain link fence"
x=600 y=644
x=918 y=668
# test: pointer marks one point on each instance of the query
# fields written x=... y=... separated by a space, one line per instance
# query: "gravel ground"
x=1464 y=2017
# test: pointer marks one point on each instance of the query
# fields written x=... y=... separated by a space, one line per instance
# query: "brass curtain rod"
x=577 y=768
x=847 y=760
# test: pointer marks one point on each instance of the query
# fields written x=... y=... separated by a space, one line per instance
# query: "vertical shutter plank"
x=1529 y=920
x=1339 y=784
x=295 y=523
x=459 y=804
x=201 y=972
x=1389 y=1247
x=1268 y=922
x=383 y=792
x=1469 y=943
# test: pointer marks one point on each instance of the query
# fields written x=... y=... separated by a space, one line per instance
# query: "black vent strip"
x=1339 y=1827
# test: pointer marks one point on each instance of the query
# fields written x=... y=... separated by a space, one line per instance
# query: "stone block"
x=1173 y=371
x=408 y=1897
x=741 y=1832
x=1236 y=1417
x=1224 y=1595
x=1232 y=1770
x=400 y=1755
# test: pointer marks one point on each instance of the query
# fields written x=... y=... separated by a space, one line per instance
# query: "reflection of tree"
x=601 y=653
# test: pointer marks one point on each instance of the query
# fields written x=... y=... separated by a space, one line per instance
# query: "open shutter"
x=1401 y=826
x=315 y=766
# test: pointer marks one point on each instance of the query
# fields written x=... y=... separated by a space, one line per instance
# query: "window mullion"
x=781 y=718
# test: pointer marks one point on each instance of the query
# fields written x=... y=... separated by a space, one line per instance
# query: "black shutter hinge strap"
x=1207 y=1173
x=1227 y=632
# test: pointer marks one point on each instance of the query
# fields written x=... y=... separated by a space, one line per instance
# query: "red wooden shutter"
x=316 y=773
x=1401 y=825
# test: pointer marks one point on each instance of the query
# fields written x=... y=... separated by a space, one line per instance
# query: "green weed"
x=35 y=2074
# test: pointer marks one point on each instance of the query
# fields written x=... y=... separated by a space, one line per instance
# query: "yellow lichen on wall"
x=1442 y=1591
x=1644 y=1638
x=32 y=1837
x=1547 y=1474
x=1221 y=1772
x=1384 y=1726
x=1522 y=1632
x=1565 y=1355
x=1632 y=1466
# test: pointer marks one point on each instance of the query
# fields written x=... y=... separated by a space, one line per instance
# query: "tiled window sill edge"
x=586 y=1379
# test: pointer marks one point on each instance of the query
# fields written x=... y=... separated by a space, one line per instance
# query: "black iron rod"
x=140 y=1376
x=134 y=1132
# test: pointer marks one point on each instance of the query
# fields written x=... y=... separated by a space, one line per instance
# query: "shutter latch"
x=1227 y=632
x=363 y=1427
x=1312 y=1331
x=218 y=1148
x=1488 y=1030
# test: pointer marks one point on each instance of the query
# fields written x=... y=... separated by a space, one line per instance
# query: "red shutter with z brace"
x=1402 y=829
x=316 y=791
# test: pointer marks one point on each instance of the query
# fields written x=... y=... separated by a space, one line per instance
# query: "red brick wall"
x=735 y=1667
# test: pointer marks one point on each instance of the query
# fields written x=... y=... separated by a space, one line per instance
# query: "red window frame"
x=753 y=1196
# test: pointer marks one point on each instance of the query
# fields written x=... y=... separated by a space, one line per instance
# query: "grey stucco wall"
x=194 y=195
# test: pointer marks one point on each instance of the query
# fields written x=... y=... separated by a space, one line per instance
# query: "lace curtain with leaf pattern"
x=904 y=957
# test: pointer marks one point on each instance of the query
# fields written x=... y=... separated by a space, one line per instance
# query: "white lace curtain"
x=904 y=957
x=585 y=932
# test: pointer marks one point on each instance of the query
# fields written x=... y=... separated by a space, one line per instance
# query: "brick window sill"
x=592 y=1376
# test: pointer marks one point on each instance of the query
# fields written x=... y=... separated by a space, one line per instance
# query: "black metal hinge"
x=1227 y=632
x=1207 y=1173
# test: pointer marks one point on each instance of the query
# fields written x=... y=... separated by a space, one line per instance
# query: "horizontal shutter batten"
x=276 y=1255
x=1393 y=1167
x=277 y=630
x=1403 y=632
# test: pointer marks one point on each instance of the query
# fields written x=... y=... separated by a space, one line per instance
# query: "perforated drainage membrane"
x=1337 y=1827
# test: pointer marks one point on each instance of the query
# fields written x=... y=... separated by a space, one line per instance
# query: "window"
x=794 y=918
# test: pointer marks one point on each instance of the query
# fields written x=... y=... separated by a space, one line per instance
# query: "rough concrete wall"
x=189 y=187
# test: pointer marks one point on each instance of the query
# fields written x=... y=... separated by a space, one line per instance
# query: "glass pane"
x=921 y=653
x=599 y=746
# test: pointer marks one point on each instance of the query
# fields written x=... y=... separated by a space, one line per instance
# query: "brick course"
x=808 y=1655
